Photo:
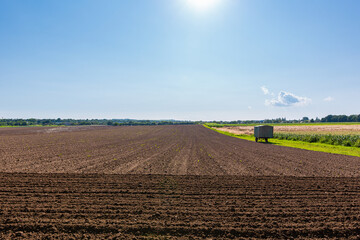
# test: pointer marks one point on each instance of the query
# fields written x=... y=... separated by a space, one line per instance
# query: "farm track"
x=147 y=206
x=170 y=182
x=175 y=150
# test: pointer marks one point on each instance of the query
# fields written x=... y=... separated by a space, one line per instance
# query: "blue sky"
x=161 y=59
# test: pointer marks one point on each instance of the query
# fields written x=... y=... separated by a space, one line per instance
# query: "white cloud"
x=286 y=99
x=265 y=90
x=249 y=107
x=329 y=99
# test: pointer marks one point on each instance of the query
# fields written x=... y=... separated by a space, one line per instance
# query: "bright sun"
x=202 y=5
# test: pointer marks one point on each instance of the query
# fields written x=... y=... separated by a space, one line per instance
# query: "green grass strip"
x=319 y=147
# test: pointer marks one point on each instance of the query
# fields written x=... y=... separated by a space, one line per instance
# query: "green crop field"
x=332 y=139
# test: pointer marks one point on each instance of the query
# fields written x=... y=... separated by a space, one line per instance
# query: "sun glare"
x=202 y=5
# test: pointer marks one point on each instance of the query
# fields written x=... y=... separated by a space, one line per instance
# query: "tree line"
x=328 y=118
x=79 y=122
x=341 y=118
x=121 y=122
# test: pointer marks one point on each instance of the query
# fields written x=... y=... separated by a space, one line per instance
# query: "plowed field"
x=127 y=206
x=176 y=150
x=170 y=182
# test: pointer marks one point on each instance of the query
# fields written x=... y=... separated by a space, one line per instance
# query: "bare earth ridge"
x=80 y=206
x=170 y=182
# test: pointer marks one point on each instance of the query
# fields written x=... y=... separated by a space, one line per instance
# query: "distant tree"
x=352 y=118
x=45 y=122
x=342 y=118
x=328 y=118
x=305 y=119
x=32 y=121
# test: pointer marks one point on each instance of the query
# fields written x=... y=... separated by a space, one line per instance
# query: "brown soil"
x=6 y=131
x=62 y=206
x=177 y=150
x=171 y=182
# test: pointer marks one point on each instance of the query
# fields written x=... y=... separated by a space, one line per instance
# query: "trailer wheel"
x=256 y=139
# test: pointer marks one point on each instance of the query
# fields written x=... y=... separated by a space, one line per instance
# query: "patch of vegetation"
x=280 y=124
x=332 y=139
x=320 y=147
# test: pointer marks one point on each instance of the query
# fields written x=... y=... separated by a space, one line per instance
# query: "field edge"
x=317 y=147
